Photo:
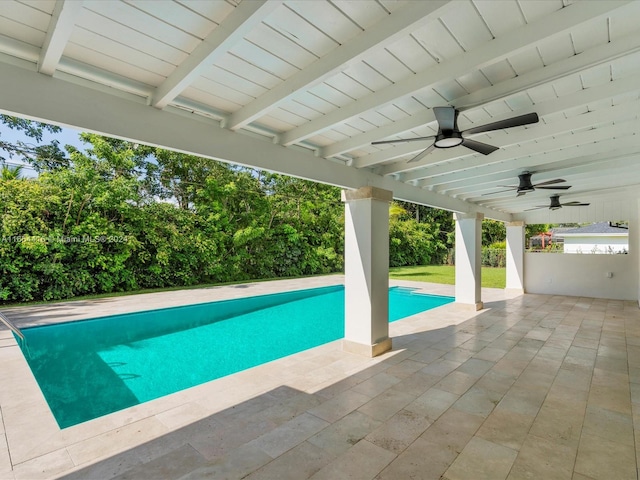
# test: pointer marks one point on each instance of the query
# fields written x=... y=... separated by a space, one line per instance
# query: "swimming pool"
x=90 y=368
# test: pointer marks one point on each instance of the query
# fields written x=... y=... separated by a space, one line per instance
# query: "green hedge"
x=494 y=257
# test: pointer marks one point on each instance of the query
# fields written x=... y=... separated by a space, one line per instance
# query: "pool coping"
x=34 y=446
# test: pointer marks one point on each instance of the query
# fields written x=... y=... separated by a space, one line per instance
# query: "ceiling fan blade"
x=537 y=208
x=557 y=187
x=550 y=182
x=508 y=123
x=521 y=194
x=483 y=148
x=500 y=191
x=422 y=154
x=446 y=117
x=417 y=139
x=575 y=204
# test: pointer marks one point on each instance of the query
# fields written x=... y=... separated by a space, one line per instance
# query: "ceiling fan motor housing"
x=525 y=183
x=555 y=202
x=449 y=135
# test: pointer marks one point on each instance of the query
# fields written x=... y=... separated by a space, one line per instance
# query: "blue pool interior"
x=90 y=368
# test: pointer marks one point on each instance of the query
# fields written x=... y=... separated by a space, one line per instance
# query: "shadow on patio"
x=532 y=387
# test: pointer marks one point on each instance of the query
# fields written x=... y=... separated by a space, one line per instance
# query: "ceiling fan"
x=555 y=204
x=525 y=185
x=450 y=136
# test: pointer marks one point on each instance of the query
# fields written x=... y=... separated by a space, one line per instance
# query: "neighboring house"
x=603 y=237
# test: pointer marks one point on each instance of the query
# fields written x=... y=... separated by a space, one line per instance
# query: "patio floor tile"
x=531 y=387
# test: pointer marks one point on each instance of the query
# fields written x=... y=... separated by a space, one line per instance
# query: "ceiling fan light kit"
x=449 y=135
x=443 y=141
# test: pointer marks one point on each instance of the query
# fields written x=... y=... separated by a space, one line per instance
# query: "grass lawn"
x=491 y=277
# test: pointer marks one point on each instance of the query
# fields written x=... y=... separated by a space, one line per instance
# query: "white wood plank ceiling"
x=325 y=78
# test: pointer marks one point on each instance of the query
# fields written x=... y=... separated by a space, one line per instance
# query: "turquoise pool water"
x=90 y=368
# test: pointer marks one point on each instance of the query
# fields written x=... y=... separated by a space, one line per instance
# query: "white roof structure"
x=601 y=228
x=303 y=87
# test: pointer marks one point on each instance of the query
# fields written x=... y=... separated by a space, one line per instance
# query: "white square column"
x=469 y=259
x=515 y=257
x=366 y=268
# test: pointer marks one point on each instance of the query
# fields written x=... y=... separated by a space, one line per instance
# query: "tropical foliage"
x=117 y=216
x=414 y=242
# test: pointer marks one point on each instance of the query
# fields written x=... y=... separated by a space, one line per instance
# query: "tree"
x=411 y=242
x=493 y=231
x=120 y=216
x=440 y=226
x=531 y=230
x=41 y=157
x=11 y=172
x=303 y=231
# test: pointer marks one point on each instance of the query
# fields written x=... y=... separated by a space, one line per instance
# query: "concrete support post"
x=366 y=270
x=515 y=257
x=469 y=259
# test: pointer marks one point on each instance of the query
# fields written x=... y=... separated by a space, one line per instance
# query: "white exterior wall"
x=585 y=275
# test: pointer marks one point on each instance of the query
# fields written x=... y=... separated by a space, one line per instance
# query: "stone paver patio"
x=531 y=387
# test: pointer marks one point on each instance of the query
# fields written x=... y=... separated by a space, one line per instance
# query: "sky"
x=67 y=136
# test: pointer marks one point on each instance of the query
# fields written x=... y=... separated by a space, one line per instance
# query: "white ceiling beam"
x=381 y=133
x=397 y=25
x=549 y=150
x=619 y=193
x=82 y=74
x=232 y=30
x=442 y=171
x=25 y=93
x=620 y=200
x=578 y=99
x=63 y=19
x=583 y=194
x=572 y=173
x=550 y=107
x=489 y=53
x=404 y=149
x=497 y=172
x=503 y=90
x=442 y=174
x=577 y=182
x=581 y=169
x=498 y=196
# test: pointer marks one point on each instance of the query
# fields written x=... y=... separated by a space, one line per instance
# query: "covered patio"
x=533 y=386
x=304 y=88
